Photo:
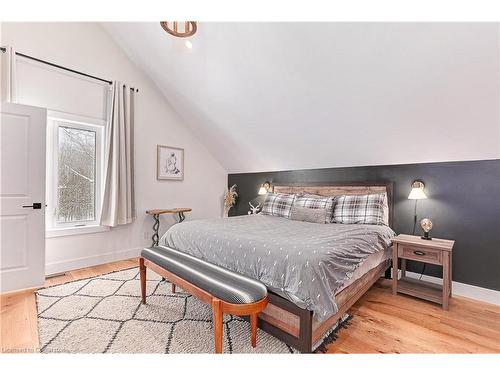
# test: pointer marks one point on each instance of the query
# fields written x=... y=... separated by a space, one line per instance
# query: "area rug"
x=104 y=314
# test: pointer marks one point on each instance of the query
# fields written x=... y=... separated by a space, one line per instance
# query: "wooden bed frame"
x=295 y=326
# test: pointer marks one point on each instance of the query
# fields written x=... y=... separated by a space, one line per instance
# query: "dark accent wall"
x=464 y=205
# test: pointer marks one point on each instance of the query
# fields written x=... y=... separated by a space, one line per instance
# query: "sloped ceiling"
x=276 y=96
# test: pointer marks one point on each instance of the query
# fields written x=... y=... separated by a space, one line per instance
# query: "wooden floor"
x=382 y=323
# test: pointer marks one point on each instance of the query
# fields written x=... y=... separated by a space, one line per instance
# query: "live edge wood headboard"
x=341 y=188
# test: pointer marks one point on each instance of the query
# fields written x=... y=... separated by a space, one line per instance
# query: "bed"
x=313 y=272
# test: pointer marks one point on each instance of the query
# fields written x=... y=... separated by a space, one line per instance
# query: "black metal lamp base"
x=426 y=236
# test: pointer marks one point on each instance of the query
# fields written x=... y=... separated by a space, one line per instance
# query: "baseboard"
x=463 y=290
x=93 y=260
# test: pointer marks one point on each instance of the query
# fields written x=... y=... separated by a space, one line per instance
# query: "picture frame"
x=169 y=163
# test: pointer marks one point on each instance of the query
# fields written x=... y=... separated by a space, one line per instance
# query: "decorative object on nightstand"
x=156 y=216
x=229 y=199
x=426 y=225
x=437 y=251
x=416 y=193
x=264 y=188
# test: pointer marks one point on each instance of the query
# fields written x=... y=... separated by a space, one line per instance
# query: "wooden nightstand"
x=435 y=251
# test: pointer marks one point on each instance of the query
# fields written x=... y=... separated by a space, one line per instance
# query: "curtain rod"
x=3 y=49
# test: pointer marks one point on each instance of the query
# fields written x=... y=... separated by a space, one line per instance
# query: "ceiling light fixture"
x=188 y=44
x=179 y=29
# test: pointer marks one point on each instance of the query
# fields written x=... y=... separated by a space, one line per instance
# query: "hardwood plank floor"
x=382 y=323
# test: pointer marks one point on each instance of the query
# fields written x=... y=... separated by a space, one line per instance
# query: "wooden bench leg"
x=173 y=288
x=142 y=272
x=217 y=314
x=253 y=324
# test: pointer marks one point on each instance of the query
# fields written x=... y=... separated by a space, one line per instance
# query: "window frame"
x=55 y=120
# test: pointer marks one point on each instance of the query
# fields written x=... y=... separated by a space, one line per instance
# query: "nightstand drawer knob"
x=416 y=252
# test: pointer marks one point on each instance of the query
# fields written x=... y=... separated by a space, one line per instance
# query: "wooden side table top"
x=160 y=211
x=156 y=212
x=435 y=243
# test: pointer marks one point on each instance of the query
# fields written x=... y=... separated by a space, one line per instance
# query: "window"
x=74 y=171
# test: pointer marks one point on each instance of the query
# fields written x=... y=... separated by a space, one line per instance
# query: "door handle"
x=35 y=206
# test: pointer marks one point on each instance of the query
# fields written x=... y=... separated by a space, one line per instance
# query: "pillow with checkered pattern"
x=359 y=209
x=278 y=205
x=316 y=201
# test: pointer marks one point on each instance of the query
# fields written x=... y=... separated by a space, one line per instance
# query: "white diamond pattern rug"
x=103 y=314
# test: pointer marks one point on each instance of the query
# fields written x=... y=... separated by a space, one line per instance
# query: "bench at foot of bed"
x=224 y=290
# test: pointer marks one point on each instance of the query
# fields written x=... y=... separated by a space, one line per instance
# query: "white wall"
x=88 y=47
x=274 y=96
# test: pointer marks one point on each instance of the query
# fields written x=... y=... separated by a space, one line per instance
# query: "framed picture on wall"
x=170 y=163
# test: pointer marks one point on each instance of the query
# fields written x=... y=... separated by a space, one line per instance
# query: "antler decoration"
x=255 y=209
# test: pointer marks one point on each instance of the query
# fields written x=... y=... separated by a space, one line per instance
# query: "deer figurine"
x=254 y=209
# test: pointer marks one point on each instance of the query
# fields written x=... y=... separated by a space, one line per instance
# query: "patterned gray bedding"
x=303 y=262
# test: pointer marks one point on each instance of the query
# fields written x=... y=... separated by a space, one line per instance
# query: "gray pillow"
x=316 y=201
x=311 y=215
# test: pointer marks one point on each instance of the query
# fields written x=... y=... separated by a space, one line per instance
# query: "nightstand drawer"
x=420 y=254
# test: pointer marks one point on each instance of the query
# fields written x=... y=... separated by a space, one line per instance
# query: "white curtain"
x=118 y=205
x=9 y=74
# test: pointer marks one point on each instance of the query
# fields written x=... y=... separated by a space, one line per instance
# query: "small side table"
x=435 y=251
x=156 y=216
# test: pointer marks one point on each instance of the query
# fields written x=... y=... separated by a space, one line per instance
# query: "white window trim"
x=54 y=229
x=72 y=231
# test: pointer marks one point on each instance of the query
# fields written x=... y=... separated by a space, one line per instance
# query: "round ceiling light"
x=179 y=29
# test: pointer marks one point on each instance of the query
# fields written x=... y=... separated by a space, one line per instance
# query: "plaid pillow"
x=316 y=201
x=278 y=205
x=359 y=209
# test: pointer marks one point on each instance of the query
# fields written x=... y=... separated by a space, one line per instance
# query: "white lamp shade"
x=417 y=193
x=417 y=190
x=262 y=190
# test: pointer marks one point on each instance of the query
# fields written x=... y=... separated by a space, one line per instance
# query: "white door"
x=22 y=196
